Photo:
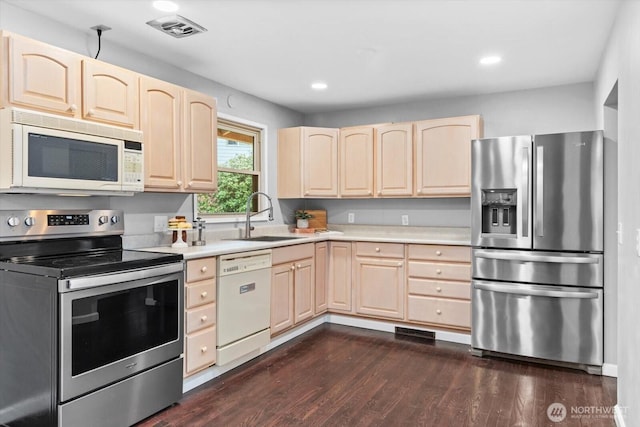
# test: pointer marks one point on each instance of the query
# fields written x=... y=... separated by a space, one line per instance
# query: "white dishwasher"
x=244 y=304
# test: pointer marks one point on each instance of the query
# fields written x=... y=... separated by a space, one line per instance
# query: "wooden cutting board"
x=319 y=220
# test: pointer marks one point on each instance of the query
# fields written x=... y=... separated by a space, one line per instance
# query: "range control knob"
x=13 y=221
x=29 y=221
x=103 y=220
x=115 y=219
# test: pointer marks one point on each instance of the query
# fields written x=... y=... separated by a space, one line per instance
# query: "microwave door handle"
x=555 y=259
x=515 y=290
x=540 y=191
x=525 y=192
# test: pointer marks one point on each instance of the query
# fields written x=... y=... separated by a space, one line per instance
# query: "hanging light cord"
x=99 y=31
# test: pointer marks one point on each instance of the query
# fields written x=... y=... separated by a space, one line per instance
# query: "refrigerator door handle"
x=525 y=192
x=510 y=289
x=508 y=256
x=540 y=191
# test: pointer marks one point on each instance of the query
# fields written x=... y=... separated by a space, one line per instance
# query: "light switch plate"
x=160 y=223
x=351 y=218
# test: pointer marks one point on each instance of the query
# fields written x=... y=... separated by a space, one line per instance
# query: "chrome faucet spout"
x=249 y=214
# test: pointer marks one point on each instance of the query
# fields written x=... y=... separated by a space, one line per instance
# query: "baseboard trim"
x=618 y=417
x=610 y=370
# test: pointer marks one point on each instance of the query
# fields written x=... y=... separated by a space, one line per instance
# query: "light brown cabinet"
x=180 y=128
x=356 y=150
x=443 y=156
x=38 y=76
x=307 y=162
x=292 y=286
x=321 y=280
x=394 y=160
x=438 y=286
x=200 y=315
x=340 y=292
x=379 y=278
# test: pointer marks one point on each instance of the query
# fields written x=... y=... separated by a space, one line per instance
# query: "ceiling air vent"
x=177 y=26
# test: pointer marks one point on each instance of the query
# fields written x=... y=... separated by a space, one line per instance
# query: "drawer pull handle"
x=439 y=289
x=203 y=319
x=438 y=271
x=203 y=349
x=438 y=253
x=438 y=311
x=203 y=295
x=204 y=269
x=377 y=249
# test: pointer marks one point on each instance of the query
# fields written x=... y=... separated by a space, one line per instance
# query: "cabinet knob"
x=438 y=253
x=179 y=183
x=203 y=319
x=203 y=295
x=293 y=267
x=438 y=271
x=204 y=269
x=306 y=193
x=370 y=193
x=439 y=289
x=73 y=108
x=190 y=184
x=299 y=266
x=379 y=193
x=399 y=264
x=438 y=311
x=419 y=191
x=203 y=349
x=377 y=249
x=91 y=112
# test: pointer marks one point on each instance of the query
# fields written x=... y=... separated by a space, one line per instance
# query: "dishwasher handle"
x=511 y=289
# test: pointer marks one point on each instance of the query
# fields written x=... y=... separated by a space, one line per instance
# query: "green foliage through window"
x=233 y=189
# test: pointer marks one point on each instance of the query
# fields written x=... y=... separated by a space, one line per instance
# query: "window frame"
x=262 y=152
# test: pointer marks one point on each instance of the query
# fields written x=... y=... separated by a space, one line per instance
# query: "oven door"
x=131 y=322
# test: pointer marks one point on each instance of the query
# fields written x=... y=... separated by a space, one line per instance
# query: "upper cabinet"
x=443 y=156
x=36 y=75
x=356 y=150
x=42 y=77
x=109 y=93
x=394 y=160
x=180 y=128
x=307 y=162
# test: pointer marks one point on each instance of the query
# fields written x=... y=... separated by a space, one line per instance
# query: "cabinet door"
x=340 y=276
x=320 y=162
x=356 y=162
x=322 y=273
x=109 y=93
x=282 y=277
x=303 y=290
x=43 y=77
x=394 y=160
x=200 y=137
x=379 y=287
x=160 y=120
x=443 y=156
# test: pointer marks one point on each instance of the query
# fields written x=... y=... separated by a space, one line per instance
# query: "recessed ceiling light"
x=319 y=86
x=165 y=6
x=490 y=60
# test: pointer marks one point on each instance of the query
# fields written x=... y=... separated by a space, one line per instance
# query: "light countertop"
x=416 y=235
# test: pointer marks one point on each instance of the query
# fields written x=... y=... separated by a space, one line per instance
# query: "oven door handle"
x=509 y=289
x=127 y=276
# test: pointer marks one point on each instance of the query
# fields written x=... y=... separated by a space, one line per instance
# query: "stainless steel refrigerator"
x=538 y=242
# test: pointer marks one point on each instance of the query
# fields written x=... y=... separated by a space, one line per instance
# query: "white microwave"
x=44 y=153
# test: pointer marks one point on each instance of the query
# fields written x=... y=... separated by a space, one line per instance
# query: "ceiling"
x=369 y=52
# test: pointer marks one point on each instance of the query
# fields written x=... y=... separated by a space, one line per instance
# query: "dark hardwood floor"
x=342 y=376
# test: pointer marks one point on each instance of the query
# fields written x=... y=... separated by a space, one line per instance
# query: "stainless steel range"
x=91 y=334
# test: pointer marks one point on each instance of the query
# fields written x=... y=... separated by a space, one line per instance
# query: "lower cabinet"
x=322 y=276
x=339 y=282
x=200 y=315
x=292 y=286
x=438 y=286
x=379 y=277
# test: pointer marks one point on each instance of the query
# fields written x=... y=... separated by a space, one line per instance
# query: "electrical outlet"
x=405 y=219
x=160 y=223
x=351 y=218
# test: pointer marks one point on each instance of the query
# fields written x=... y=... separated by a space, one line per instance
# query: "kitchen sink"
x=266 y=238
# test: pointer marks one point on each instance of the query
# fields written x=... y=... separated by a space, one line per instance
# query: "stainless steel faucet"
x=248 y=227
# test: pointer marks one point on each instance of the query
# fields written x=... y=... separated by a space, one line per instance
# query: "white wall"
x=141 y=208
x=621 y=63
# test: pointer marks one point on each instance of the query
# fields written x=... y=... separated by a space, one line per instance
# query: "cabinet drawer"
x=387 y=250
x=200 y=318
x=439 y=289
x=200 y=349
x=201 y=269
x=292 y=253
x=202 y=293
x=436 y=270
x=440 y=311
x=440 y=253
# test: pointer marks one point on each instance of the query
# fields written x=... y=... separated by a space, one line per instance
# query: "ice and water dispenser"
x=499 y=211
